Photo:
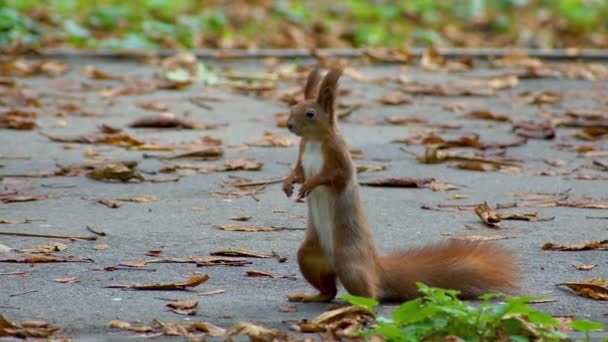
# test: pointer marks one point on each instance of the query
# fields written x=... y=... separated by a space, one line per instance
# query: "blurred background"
x=249 y=24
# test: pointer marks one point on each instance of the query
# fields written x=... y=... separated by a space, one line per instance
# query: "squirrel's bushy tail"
x=473 y=268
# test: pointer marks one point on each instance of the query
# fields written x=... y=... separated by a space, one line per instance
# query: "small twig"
x=87 y=238
x=94 y=230
x=259 y=182
x=254 y=198
x=22 y=293
x=597 y=217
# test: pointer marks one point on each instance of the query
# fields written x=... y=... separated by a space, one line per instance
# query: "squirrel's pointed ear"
x=311 y=83
x=328 y=91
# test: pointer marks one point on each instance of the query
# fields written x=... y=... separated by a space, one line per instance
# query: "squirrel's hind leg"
x=316 y=269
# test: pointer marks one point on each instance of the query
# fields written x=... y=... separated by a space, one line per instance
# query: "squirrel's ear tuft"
x=328 y=91
x=311 y=83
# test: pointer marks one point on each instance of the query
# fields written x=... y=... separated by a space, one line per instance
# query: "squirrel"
x=338 y=244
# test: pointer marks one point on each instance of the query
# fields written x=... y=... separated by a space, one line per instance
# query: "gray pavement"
x=170 y=224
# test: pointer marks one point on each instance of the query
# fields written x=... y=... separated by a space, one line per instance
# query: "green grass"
x=439 y=313
x=189 y=24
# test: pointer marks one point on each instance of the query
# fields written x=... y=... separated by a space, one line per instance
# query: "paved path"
x=170 y=224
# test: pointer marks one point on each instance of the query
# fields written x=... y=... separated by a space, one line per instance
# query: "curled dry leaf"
x=97 y=74
x=584 y=202
x=432 y=60
x=48 y=248
x=488 y=215
x=271 y=140
x=488 y=115
x=242 y=164
x=405 y=120
x=70 y=280
x=596 y=288
x=203 y=261
x=169 y=120
x=532 y=217
x=534 y=130
x=110 y=203
x=584 y=267
x=404 y=182
x=186 y=307
x=16 y=196
x=347 y=321
x=257 y=332
x=395 y=99
x=115 y=171
x=201 y=153
x=116 y=324
x=371 y=168
x=38 y=258
x=155 y=253
x=240 y=252
x=265 y=274
x=241 y=218
x=154 y=105
x=598 y=244
x=140 y=199
x=288 y=308
x=135 y=263
x=184 y=285
x=15 y=119
x=35 y=329
x=101 y=247
x=240 y=228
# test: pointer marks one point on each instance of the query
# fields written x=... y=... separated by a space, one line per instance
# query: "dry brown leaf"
x=532 y=217
x=240 y=228
x=210 y=293
x=116 y=324
x=154 y=105
x=115 y=171
x=203 y=261
x=390 y=55
x=405 y=120
x=271 y=140
x=97 y=74
x=265 y=274
x=596 y=288
x=404 y=182
x=136 y=263
x=395 y=99
x=257 y=333
x=288 y=308
x=598 y=244
x=139 y=199
x=488 y=115
x=540 y=199
x=479 y=237
x=38 y=258
x=184 y=285
x=240 y=252
x=155 y=253
x=16 y=196
x=371 y=168
x=70 y=280
x=201 y=208
x=48 y=248
x=197 y=152
x=534 y=130
x=14 y=119
x=110 y=203
x=101 y=247
x=187 y=307
x=169 y=120
x=346 y=321
x=488 y=215
x=584 y=267
x=540 y=97
x=35 y=329
x=241 y=218
x=584 y=202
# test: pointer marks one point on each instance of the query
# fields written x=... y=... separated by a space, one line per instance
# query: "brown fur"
x=470 y=267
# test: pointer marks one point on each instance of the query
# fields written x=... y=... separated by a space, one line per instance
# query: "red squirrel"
x=339 y=245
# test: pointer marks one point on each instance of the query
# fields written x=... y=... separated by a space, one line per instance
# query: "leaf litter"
x=176 y=286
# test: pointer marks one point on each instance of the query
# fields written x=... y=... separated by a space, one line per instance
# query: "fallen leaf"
x=117 y=171
x=19 y=120
x=198 y=152
x=203 y=261
x=371 y=168
x=584 y=267
x=101 y=247
x=265 y=274
x=203 y=208
x=397 y=182
x=192 y=282
x=48 y=248
x=169 y=120
x=404 y=120
x=479 y=237
x=541 y=199
x=488 y=215
x=70 y=280
x=139 y=199
x=271 y=140
x=394 y=99
x=241 y=164
x=488 y=115
x=598 y=244
x=38 y=258
x=240 y=228
x=97 y=74
x=187 y=307
x=155 y=253
x=35 y=329
x=346 y=321
x=240 y=252
x=210 y=293
x=532 y=217
x=596 y=288
x=154 y=105
x=116 y=324
x=257 y=333
x=110 y=203
x=534 y=130
x=584 y=202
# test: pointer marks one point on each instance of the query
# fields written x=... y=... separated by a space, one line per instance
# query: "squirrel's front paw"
x=305 y=190
x=288 y=187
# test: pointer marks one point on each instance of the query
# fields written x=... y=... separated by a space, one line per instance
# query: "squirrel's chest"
x=312 y=158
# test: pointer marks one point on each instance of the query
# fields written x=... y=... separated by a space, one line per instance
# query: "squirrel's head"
x=315 y=116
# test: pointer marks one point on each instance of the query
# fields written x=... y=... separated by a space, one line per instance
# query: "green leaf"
x=407 y=310
x=208 y=76
x=542 y=318
x=586 y=325
x=368 y=303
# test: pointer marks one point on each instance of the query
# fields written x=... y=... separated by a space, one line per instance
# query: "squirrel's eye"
x=310 y=113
